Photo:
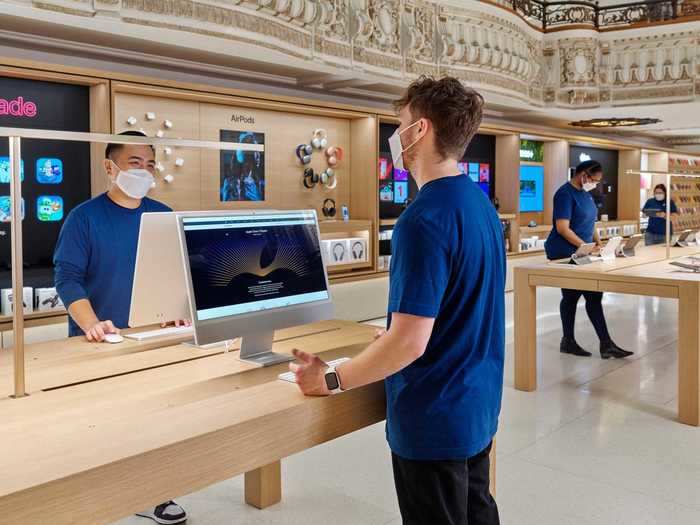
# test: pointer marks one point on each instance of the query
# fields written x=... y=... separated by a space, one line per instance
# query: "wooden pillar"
x=525 y=318
x=689 y=353
x=263 y=486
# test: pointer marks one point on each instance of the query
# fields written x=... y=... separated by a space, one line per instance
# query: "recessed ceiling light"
x=614 y=122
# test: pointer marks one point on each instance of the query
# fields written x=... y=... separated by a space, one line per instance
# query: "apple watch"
x=333 y=380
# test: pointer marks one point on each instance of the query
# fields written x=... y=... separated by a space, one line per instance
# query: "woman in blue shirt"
x=656 y=231
x=574 y=218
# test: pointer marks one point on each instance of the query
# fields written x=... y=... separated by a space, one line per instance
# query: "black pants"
x=594 y=308
x=445 y=492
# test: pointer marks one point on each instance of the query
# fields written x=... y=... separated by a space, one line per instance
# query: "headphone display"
x=334 y=154
x=338 y=255
x=358 y=250
x=320 y=139
x=310 y=178
x=328 y=178
x=328 y=209
x=304 y=152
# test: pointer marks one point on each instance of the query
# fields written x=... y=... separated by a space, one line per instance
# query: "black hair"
x=589 y=167
x=111 y=149
x=660 y=187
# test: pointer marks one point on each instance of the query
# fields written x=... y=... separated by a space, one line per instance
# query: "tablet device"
x=628 y=248
x=652 y=212
x=584 y=250
x=610 y=249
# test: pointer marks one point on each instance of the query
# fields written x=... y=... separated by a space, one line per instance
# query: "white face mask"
x=659 y=196
x=589 y=186
x=135 y=182
x=397 y=149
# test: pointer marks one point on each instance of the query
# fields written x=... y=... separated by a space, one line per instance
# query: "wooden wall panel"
x=100 y=122
x=556 y=173
x=508 y=173
x=185 y=193
x=283 y=132
x=629 y=185
x=658 y=161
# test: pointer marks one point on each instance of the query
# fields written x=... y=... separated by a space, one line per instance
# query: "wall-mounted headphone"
x=328 y=209
x=310 y=178
x=338 y=255
x=320 y=139
x=304 y=152
x=334 y=154
x=358 y=250
x=240 y=154
x=328 y=178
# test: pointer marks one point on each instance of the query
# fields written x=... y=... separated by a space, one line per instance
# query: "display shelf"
x=357 y=228
x=340 y=226
x=35 y=319
x=388 y=222
x=685 y=192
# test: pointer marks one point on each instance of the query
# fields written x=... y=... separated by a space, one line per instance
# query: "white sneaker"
x=168 y=513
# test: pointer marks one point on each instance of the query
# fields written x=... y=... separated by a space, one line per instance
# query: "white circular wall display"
x=150 y=115
x=131 y=120
x=167 y=124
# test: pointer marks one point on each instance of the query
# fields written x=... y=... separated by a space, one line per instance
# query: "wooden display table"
x=109 y=430
x=646 y=274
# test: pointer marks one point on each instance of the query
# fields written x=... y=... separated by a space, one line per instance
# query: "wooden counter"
x=647 y=274
x=109 y=430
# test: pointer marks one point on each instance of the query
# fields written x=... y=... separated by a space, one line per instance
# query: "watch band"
x=332 y=380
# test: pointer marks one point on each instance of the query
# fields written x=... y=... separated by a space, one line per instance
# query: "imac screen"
x=251 y=262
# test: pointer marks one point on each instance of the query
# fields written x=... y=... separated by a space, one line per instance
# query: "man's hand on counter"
x=310 y=373
x=97 y=331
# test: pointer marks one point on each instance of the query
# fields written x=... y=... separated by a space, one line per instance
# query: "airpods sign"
x=18 y=107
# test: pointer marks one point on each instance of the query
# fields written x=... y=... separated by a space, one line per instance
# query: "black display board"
x=480 y=155
x=605 y=195
x=56 y=173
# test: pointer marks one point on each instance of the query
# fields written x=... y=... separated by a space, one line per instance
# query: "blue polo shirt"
x=95 y=257
x=579 y=208
x=448 y=263
x=657 y=225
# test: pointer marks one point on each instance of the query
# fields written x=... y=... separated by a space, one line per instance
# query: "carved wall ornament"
x=400 y=39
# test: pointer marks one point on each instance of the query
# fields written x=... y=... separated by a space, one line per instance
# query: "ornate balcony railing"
x=549 y=15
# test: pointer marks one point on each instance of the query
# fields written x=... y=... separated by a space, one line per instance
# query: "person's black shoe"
x=168 y=513
x=570 y=346
x=608 y=350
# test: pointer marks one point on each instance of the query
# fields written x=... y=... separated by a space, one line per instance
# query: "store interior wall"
x=606 y=194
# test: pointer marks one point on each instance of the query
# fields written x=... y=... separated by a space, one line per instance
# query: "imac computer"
x=159 y=292
x=251 y=273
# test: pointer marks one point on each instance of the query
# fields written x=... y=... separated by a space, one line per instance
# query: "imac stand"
x=257 y=348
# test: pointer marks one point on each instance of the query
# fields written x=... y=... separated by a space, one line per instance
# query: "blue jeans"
x=654 y=238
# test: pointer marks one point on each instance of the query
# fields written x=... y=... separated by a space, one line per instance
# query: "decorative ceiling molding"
x=375 y=47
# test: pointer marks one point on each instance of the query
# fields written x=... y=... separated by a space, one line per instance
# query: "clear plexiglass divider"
x=46 y=170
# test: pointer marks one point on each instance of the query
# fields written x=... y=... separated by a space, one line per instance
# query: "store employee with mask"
x=574 y=218
x=96 y=254
x=656 y=230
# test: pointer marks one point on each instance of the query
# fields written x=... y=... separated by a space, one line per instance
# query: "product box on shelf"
x=326 y=252
x=358 y=250
x=339 y=252
x=47 y=299
x=6 y=300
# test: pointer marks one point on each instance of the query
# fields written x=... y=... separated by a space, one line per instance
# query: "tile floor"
x=596 y=445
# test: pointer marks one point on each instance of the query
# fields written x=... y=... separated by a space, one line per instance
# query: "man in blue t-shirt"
x=442 y=355
x=96 y=254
